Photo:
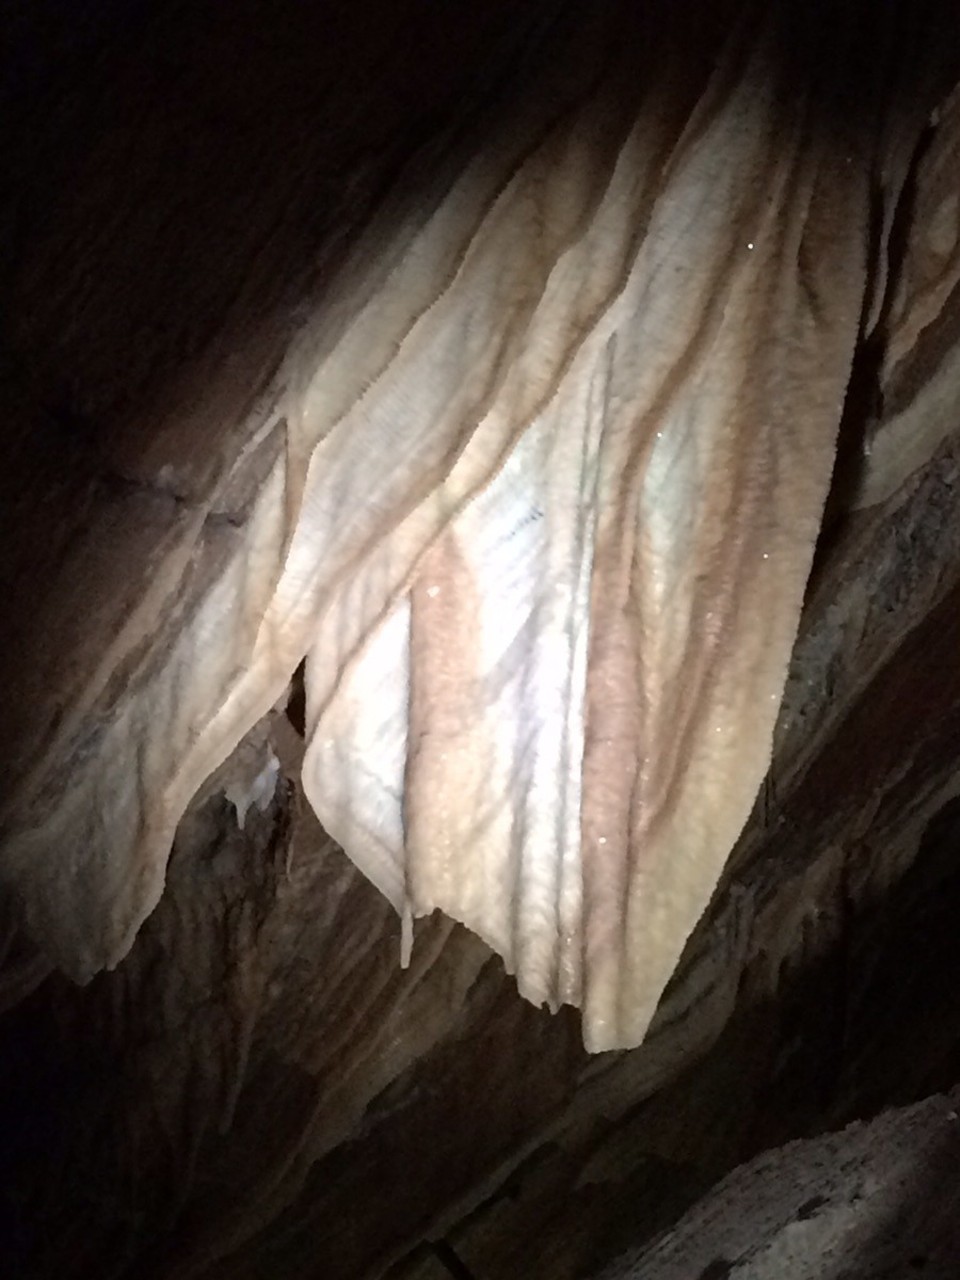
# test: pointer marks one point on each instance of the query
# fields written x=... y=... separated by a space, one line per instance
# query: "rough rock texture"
x=878 y=1199
x=258 y=1090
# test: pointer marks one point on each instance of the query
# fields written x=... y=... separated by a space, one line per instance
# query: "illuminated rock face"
x=826 y=1203
x=535 y=493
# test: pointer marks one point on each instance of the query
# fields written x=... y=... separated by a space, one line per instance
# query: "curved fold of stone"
x=539 y=507
x=546 y=704
x=920 y=377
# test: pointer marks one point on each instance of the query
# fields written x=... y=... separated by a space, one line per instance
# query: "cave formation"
x=312 y=320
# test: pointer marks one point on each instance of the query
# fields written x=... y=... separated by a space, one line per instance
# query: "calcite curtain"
x=535 y=495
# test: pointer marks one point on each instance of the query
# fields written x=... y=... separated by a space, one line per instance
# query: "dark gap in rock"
x=447 y=1255
x=296 y=708
x=864 y=407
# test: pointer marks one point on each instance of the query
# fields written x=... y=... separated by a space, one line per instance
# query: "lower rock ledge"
x=877 y=1199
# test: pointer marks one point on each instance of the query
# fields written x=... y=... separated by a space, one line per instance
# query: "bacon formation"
x=536 y=498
